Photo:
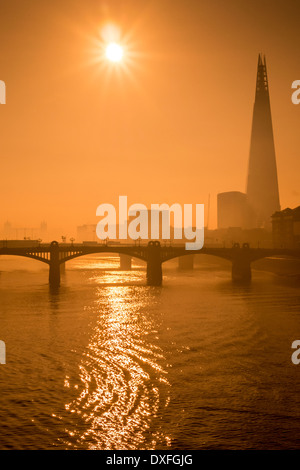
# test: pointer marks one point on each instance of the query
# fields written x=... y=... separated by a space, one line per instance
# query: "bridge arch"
x=28 y=255
x=74 y=255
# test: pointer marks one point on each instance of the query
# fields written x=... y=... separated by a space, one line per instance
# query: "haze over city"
x=171 y=124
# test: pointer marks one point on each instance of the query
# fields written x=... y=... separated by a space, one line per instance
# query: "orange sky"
x=173 y=126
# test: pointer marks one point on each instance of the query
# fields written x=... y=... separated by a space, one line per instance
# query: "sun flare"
x=114 y=52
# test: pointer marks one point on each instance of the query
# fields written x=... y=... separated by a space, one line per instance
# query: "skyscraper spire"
x=262 y=184
x=262 y=79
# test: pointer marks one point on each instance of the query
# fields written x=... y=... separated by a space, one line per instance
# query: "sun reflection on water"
x=123 y=388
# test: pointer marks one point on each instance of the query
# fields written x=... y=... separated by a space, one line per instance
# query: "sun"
x=114 y=52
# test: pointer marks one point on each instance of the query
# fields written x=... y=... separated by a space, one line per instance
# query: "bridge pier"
x=125 y=263
x=154 y=269
x=241 y=270
x=54 y=269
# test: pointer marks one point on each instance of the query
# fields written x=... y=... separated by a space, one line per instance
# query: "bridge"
x=153 y=253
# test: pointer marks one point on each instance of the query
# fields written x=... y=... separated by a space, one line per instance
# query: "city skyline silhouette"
x=174 y=125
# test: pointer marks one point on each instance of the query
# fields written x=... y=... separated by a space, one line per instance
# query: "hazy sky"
x=171 y=125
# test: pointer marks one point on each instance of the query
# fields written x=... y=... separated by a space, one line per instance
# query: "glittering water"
x=106 y=362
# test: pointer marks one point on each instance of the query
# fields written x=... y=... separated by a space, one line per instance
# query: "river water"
x=107 y=362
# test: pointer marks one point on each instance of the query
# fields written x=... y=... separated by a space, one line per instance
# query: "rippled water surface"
x=109 y=363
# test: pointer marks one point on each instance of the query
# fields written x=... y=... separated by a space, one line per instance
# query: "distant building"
x=43 y=227
x=156 y=220
x=7 y=229
x=286 y=228
x=232 y=210
x=253 y=210
x=10 y=232
x=262 y=184
x=86 y=233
